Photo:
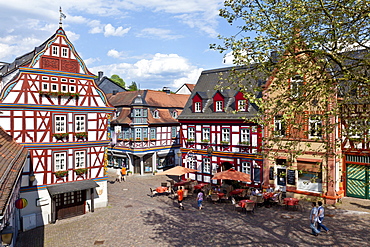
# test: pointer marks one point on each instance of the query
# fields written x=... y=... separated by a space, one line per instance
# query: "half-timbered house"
x=52 y=106
x=145 y=131
x=215 y=132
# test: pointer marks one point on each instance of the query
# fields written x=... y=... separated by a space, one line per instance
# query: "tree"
x=118 y=80
x=133 y=86
x=316 y=56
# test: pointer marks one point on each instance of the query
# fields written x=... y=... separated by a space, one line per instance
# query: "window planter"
x=205 y=141
x=190 y=140
x=81 y=171
x=224 y=143
x=81 y=135
x=60 y=136
x=59 y=94
x=61 y=174
x=244 y=143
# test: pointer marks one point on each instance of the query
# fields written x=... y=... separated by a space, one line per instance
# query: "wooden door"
x=70 y=204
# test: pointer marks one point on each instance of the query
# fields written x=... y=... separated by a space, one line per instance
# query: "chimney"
x=100 y=75
x=166 y=90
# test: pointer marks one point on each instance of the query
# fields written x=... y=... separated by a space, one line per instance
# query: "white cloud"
x=162 y=69
x=109 y=30
x=158 y=33
x=115 y=54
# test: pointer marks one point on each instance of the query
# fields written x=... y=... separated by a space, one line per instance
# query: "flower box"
x=81 y=171
x=224 y=143
x=81 y=135
x=61 y=174
x=60 y=136
x=59 y=94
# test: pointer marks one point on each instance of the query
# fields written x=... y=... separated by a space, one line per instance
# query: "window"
x=72 y=89
x=279 y=126
x=219 y=105
x=54 y=87
x=245 y=136
x=191 y=134
x=80 y=123
x=257 y=174
x=225 y=135
x=64 y=52
x=153 y=133
x=80 y=157
x=54 y=78
x=174 y=132
x=242 y=105
x=206 y=134
x=315 y=126
x=145 y=133
x=59 y=161
x=137 y=133
x=246 y=167
x=45 y=86
x=155 y=114
x=72 y=80
x=126 y=133
x=197 y=107
x=296 y=86
x=175 y=114
x=207 y=165
x=64 y=88
x=192 y=164
x=138 y=112
x=60 y=124
x=63 y=80
x=55 y=51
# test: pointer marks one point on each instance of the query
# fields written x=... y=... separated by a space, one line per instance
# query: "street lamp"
x=7 y=236
x=179 y=154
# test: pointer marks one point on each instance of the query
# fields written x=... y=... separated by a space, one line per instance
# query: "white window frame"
x=175 y=114
x=206 y=134
x=295 y=86
x=60 y=160
x=153 y=133
x=279 y=127
x=174 y=132
x=54 y=87
x=60 y=122
x=225 y=135
x=65 y=52
x=155 y=114
x=64 y=88
x=219 y=106
x=45 y=78
x=191 y=133
x=80 y=159
x=315 y=126
x=138 y=134
x=245 y=135
x=80 y=123
x=242 y=105
x=207 y=165
x=55 y=51
x=72 y=88
x=246 y=167
x=197 y=107
x=45 y=87
x=192 y=164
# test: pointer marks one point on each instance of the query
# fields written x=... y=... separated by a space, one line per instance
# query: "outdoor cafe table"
x=161 y=189
x=293 y=202
x=242 y=203
x=236 y=191
x=267 y=195
x=220 y=194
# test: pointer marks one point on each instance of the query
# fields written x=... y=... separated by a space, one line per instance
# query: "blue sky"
x=155 y=43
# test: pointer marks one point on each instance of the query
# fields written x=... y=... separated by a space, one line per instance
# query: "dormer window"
x=175 y=114
x=219 y=106
x=242 y=105
x=155 y=114
x=197 y=107
x=55 y=51
x=64 y=52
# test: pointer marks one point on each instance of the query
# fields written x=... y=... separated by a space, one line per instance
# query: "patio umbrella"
x=177 y=171
x=232 y=174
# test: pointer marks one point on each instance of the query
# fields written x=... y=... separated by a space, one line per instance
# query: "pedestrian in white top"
x=118 y=175
x=321 y=214
x=313 y=219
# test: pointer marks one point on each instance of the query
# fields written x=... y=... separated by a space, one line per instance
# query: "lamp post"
x=179 y=154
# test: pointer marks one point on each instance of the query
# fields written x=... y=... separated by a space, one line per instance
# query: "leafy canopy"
x=118 y=80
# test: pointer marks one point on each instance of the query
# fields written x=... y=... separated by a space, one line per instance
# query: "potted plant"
x=60 y=136
x=61 y=174
x=129 y=173
x=81 y=135
x=81 y=171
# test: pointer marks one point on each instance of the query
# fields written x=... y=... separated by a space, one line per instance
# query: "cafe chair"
x=164 y=185
x=235 y=204
x=260 y=201
x=152 y=192
x=249 y=207
x=214 y=198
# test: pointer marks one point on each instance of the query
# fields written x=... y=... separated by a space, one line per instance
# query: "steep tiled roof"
x=12 y=159
x=206 y=89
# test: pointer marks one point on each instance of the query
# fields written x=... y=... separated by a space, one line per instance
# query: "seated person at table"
x=253 y=193
x=217 y=189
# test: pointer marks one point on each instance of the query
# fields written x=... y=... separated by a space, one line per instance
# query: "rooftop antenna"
x=61 y=16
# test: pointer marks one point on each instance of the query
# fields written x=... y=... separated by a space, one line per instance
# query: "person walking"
x=320 y=213
x=313 y=219
x=200 y=199
x=123 y=172
x=180 y=197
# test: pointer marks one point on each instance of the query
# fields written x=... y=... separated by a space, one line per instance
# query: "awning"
x=56 y=189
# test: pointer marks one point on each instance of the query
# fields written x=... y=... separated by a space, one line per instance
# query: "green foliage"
x=133 y=86
x=118 y=80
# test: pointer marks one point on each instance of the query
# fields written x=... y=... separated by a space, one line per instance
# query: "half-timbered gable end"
x=216 y=131
x=53 y=107
x=145 y=132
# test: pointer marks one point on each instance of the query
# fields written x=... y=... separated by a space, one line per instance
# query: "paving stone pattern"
x=133 y=218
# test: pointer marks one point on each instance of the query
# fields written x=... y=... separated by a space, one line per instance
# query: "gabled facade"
x=145 y=130
x=52 y=106
x=185 y=89
x=12 y=160
x=215 y=134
